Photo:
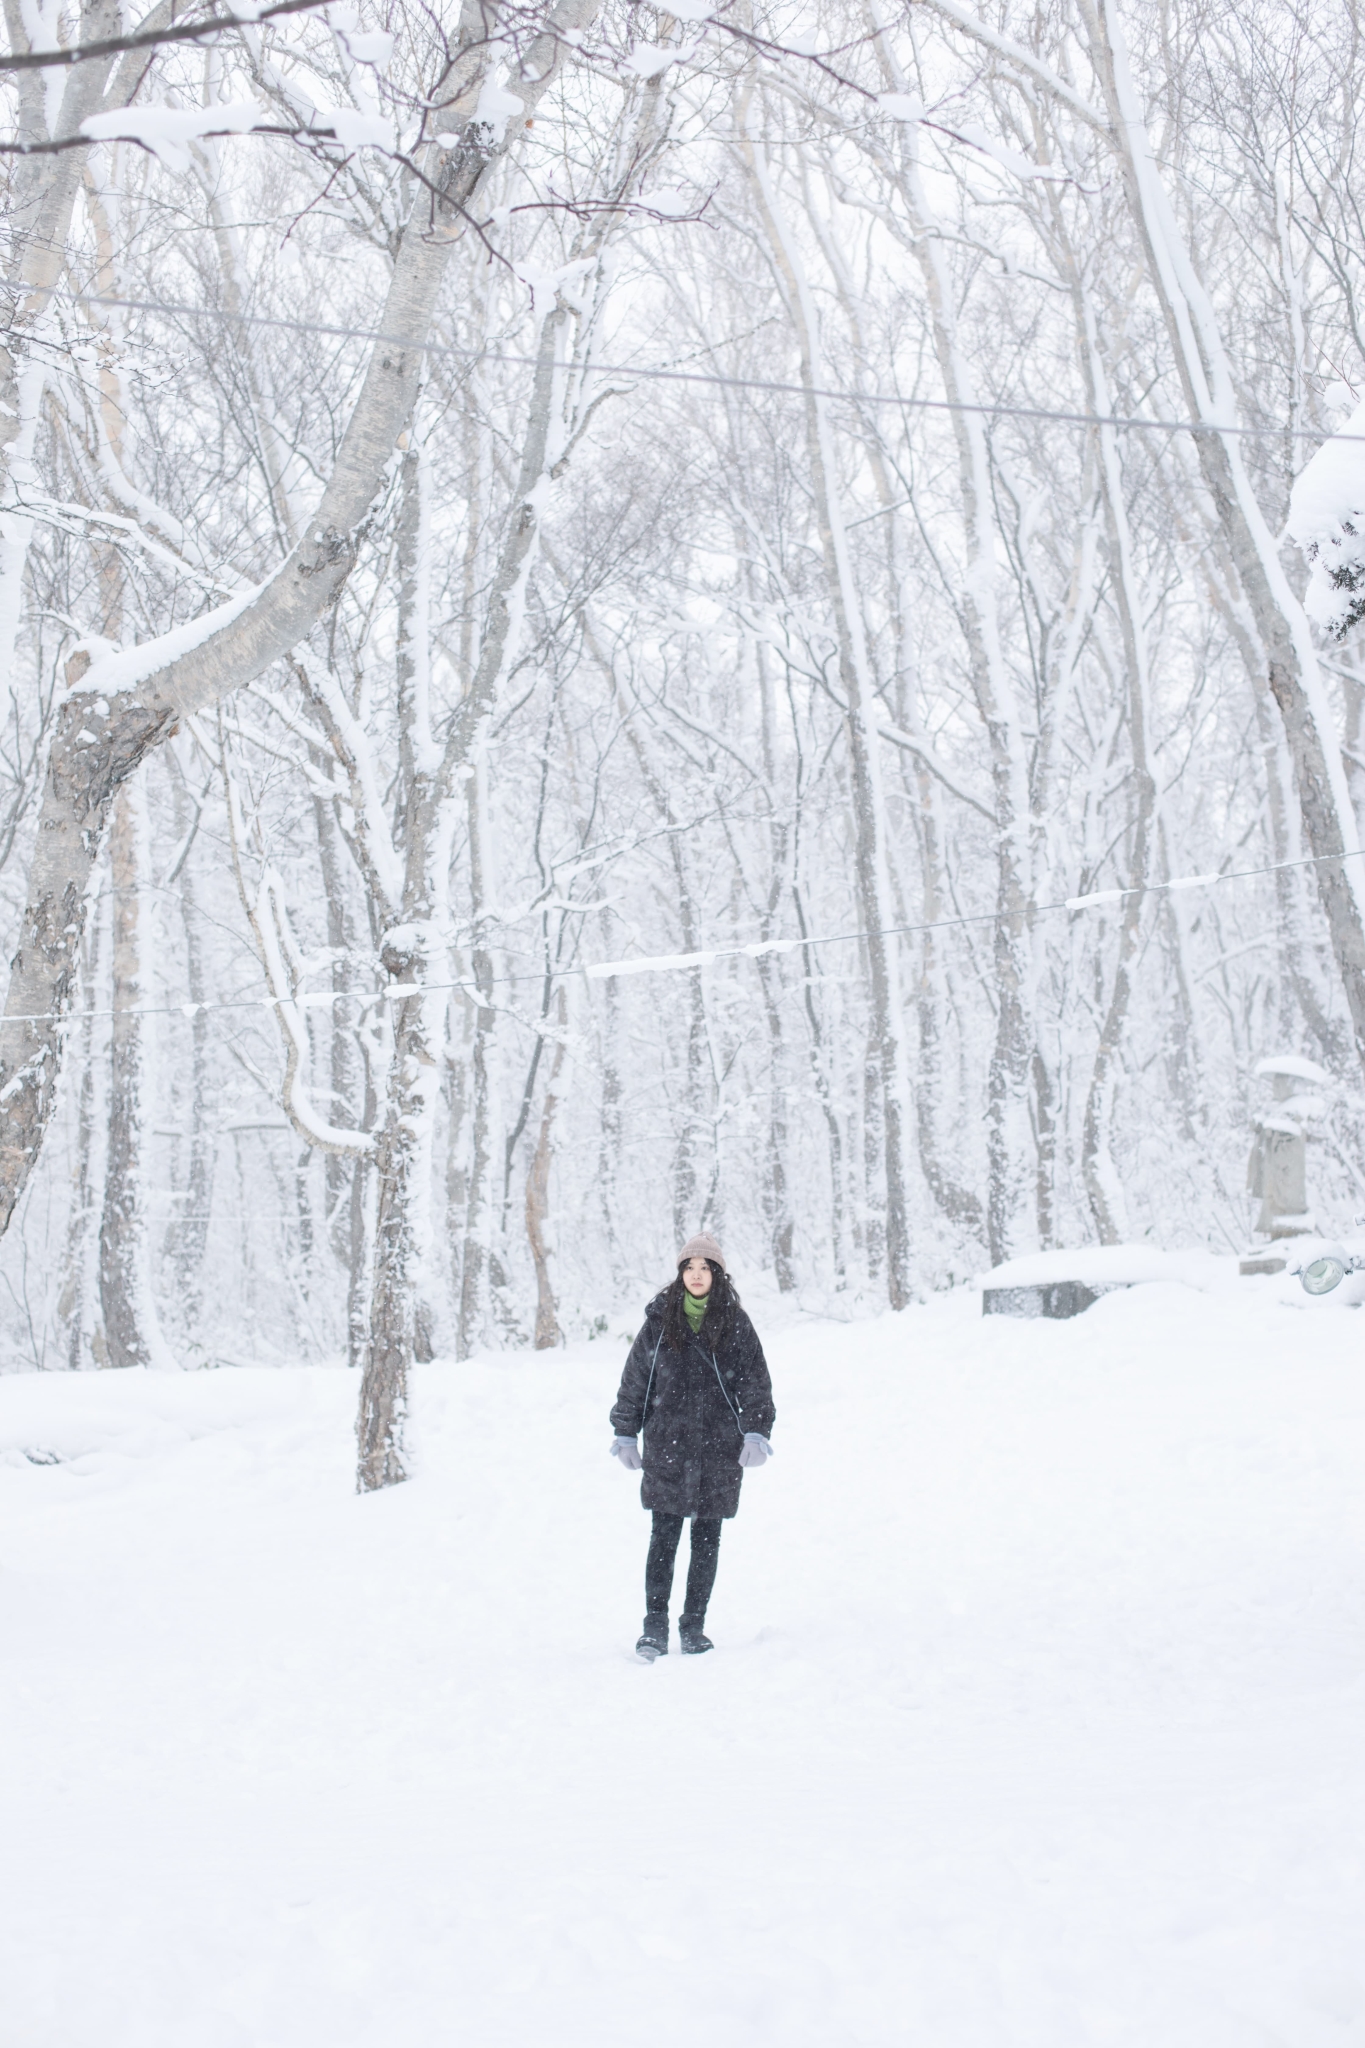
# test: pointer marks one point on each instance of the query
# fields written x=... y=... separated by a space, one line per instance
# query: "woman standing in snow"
x=696 y=1382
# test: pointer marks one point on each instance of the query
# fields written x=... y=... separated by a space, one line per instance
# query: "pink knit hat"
x=702 y=1247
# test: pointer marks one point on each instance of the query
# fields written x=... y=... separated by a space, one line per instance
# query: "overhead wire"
x=670 y=963
x=662 y=373
x=665 y=374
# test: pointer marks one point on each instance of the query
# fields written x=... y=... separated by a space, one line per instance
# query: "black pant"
x=701 y=1573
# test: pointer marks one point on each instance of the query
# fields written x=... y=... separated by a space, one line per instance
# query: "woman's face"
x=697 y=1276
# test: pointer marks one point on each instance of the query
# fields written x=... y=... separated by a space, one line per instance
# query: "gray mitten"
x=757 y=1450
x=626 y=1449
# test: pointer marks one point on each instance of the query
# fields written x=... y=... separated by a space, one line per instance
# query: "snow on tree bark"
x=150 y=689
x=1292 y=672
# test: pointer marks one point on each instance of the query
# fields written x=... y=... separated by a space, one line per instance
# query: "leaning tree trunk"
x=1291 y=670
x=129 y=704
x=1331 y=1036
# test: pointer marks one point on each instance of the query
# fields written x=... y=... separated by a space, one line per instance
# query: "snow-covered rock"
x=1327 y=520
x=1114 y=1265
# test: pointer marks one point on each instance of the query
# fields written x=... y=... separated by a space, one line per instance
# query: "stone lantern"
x=1276 y=1170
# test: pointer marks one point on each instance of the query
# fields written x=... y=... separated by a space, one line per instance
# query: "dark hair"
x=721 y=1303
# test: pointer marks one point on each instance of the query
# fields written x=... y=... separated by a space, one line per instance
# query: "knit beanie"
x=702 y=1247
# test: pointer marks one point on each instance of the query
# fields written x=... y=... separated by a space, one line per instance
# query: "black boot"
x=691 y=1640
x=653 y=1638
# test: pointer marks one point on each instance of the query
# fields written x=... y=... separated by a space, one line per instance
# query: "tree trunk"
x=360 y=1247
x=1102 y=1186
x=474 y=1274
x=684 y=1176
x=609 y=1123
x=187 y=1235
x=403 y=1172
x=1010 y=1135
x=886 y=1051
x=548 y=1333
x=1331 y=1038
x=77 y=1309
x=781 y=1228
x=777 y=1194
x=824 y=1094
x=1180 y=1039
x=131 y=1332
x=957 y=1202
x=418 y=759
x=1291 y=669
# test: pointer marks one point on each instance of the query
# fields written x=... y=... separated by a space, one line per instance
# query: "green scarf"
x=694 y=1308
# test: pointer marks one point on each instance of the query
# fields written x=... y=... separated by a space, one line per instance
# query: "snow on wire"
x=669 y=963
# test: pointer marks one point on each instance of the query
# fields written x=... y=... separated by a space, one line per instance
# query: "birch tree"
x=129 y=704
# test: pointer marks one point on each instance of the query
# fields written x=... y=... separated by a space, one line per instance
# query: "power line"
x=113 y=46
x=661 y=374
x=674 y=963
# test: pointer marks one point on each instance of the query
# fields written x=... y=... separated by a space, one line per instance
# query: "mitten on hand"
x=757 y=1450
x=627 y=1450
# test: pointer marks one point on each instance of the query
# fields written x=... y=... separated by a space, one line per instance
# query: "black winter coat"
x=702 y=1404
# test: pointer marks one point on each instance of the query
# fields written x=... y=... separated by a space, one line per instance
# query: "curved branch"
x=127 y=704
x=147 y=39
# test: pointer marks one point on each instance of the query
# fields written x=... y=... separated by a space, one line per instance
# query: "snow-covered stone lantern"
x=1277 y=1168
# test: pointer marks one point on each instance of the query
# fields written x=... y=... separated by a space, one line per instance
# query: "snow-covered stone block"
x=1058 y=1284
x=1057 y=1299
x=1327 y=521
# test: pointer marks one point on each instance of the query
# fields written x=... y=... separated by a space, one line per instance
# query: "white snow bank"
x=1327 y=520
x=1034 y=1716
x=99 y=1422
x=1113 y=1266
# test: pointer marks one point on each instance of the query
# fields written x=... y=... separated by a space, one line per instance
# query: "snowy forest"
x=622 y=619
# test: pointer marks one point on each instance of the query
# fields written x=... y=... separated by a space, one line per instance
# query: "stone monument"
x=1277 y=1168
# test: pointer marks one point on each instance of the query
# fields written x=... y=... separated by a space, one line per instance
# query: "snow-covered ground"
x=1036 y=1715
